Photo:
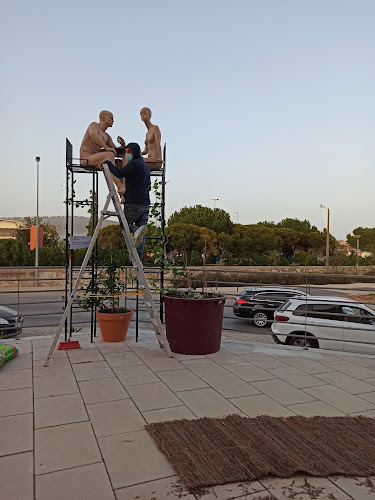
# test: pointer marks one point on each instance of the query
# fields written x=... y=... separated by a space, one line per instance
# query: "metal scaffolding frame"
x=73 y=167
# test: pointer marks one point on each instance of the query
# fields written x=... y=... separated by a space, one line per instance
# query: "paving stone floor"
x=75 y=430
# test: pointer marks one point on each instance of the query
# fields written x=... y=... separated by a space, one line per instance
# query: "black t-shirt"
x=137 y=180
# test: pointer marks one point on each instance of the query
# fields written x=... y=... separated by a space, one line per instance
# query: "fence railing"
x=41 y=307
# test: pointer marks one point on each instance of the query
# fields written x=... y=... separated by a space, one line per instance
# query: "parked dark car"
x=259 y=303
x=10 y=322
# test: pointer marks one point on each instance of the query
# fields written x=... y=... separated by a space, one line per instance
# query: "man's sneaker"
x=138 y=236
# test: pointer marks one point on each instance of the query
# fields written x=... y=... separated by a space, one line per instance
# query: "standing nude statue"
x=96 y=138
x=152 y=142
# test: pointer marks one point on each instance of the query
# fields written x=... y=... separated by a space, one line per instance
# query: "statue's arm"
x=145 y=151
x=95 y=137
x=110 y=143
x=157 y=142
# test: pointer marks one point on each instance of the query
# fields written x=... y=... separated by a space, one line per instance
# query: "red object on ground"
x=69 y=344
x=33 y=237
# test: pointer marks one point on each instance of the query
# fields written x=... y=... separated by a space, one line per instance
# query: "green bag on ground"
x=7 y=352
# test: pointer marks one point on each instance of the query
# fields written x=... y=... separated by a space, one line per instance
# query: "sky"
x=267 y=105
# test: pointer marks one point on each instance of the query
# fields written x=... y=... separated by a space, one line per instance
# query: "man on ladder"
x=137 y=197
x=137 y=204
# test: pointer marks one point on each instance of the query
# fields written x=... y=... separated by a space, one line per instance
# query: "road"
x=43 y=308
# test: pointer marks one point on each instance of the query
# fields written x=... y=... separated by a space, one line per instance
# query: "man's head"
x=145 y=114
x=106 y=117
x=133 y=149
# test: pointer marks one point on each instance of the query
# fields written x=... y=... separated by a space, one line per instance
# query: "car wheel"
x=260 y=319
x=276 y=339
x=309 y=342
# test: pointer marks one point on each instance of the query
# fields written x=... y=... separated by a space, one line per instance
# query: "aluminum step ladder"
x=137 y=265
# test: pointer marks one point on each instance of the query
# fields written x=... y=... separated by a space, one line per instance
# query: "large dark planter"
x=193 y=326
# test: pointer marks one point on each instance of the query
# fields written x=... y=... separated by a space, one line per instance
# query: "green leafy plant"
x=106 y=290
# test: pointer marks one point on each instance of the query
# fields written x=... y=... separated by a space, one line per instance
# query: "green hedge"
x=17 y=253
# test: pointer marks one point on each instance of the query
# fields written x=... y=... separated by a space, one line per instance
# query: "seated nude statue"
x=96 y=138
x=152 y=142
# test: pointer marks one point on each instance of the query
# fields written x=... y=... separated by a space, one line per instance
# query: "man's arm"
x=118 y=172
x=95 y=137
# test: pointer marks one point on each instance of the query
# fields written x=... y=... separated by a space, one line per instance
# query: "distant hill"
x=79 y=224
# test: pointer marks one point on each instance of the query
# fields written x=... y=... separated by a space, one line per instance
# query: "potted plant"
x=193 y=319
x=105 y=294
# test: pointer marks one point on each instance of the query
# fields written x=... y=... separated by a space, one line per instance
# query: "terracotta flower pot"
x=193 y=326
x=114 y=326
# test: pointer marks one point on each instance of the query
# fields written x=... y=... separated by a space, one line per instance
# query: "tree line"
x=197 y=235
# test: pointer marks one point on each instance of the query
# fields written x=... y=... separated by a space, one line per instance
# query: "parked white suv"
x=325 y=322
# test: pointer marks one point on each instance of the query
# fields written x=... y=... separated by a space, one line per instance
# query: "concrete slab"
x=253 y=406
x=230 y=386
x=92 y=371
x=86 y=482
x=181 y=380
x=101 y=390
x=16 y=434
x=16 y=402
x=342 y=400
x=55 y=385
x=65 y=447
x=59 y=410
x=115 y=417
x=207 y=403
x=153 y=396
x=16 y=476
x=133 y=458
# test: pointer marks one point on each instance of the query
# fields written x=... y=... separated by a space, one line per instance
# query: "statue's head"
x=145 y=114
x=106 y=117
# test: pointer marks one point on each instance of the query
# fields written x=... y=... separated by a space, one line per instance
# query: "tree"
x=217 y=220
x=111 y=236
x=367 y=240
x=183 y=238
x=226 y=246
x=300 y=226
x=15 y=253
x=290 y=240
x=50 y=234
x=208 y=244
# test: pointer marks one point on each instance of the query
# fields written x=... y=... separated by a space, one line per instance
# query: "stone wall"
x=55 y=277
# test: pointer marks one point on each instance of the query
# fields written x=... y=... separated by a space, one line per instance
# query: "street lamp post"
x=237 y=212
x=37 y=224
x=214 y=200
x=327 y=238
x=357 y=236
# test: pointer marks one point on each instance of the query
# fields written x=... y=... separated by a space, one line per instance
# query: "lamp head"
x=37 y=159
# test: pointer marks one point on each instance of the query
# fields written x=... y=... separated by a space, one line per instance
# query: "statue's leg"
x=97 y=159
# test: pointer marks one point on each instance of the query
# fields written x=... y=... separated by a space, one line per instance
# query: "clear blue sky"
x=268 y=105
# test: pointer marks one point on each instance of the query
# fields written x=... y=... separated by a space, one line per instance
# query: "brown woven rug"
x=210 y=451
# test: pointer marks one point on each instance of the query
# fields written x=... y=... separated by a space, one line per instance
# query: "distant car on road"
x=259 y=303
x=326 y=322
x=10 y=322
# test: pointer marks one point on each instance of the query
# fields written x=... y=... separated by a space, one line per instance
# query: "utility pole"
x=37 y=159
x=357 y=236
x=214 y=200
x=327 y=237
